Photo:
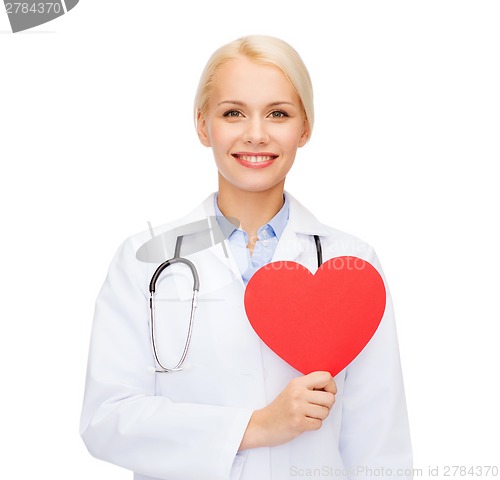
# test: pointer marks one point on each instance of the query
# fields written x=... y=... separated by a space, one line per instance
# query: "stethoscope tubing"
x=194 y=301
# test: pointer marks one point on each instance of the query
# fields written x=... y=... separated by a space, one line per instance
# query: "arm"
x=122 y=421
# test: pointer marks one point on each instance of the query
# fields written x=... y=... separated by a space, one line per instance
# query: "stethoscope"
x=161 y=368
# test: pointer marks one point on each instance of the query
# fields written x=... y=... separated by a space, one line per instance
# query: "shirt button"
x=266 y=243
x=264 y=233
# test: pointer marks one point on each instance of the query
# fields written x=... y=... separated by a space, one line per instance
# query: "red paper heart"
x=316 y=322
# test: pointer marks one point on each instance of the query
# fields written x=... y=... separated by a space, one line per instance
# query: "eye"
x=232 y=114
x=279 y=114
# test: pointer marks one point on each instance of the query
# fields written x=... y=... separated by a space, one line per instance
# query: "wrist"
x=255 y=433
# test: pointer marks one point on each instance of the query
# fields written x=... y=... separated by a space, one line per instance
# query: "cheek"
x=290 y=139
x=222 y=136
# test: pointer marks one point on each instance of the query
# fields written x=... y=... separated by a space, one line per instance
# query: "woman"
x=239 y=411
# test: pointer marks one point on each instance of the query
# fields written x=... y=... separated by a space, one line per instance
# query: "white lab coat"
x=188 y=425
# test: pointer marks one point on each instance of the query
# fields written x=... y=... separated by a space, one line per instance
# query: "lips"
x=255 y=157
x=255 y=160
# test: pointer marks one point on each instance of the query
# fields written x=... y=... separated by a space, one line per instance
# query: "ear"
x=202 y=130
x=305 y=134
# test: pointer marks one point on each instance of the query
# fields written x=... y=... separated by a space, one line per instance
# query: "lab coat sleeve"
x=122 y=420
x=375 y=438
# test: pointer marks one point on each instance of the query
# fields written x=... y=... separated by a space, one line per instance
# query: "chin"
x=256 y=188
x=251 y=183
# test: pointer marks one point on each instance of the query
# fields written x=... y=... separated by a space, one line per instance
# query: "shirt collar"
x=277 y=223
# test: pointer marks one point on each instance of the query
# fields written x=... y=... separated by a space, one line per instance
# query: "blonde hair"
x=262 y=49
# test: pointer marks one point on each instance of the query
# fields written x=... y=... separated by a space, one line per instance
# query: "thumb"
x=317 y=380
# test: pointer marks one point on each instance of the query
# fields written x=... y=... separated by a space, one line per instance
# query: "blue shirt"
x=265 y=246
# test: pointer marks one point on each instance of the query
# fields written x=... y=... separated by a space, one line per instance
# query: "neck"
x=252 y=209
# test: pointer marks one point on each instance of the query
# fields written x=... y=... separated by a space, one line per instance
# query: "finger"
x=317 y=411
x=319 y=397
x=312 y=424
x=317 y=380
x=331 y=387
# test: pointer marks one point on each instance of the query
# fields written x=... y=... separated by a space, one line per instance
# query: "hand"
x=302 y=406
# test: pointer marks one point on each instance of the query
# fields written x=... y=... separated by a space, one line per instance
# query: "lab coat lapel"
x=289 y=246
x=297 y=241
x=216 y=262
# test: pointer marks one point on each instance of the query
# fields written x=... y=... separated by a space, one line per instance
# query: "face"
x=254 y=124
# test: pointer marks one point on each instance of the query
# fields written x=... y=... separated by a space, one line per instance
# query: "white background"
x=96 y=138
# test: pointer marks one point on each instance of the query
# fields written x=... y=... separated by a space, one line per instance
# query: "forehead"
x=243 y=80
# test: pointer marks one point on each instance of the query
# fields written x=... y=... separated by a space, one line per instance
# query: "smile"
x=254 y=158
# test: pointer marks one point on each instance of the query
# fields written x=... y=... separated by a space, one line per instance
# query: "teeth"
x=253 y=159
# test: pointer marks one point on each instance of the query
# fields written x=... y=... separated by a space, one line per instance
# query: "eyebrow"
x=242 y=104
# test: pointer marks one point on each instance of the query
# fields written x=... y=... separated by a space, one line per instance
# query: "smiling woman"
x=254 y=123
x=240 y=411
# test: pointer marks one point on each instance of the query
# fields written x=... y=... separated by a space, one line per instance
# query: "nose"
x=256 y=132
